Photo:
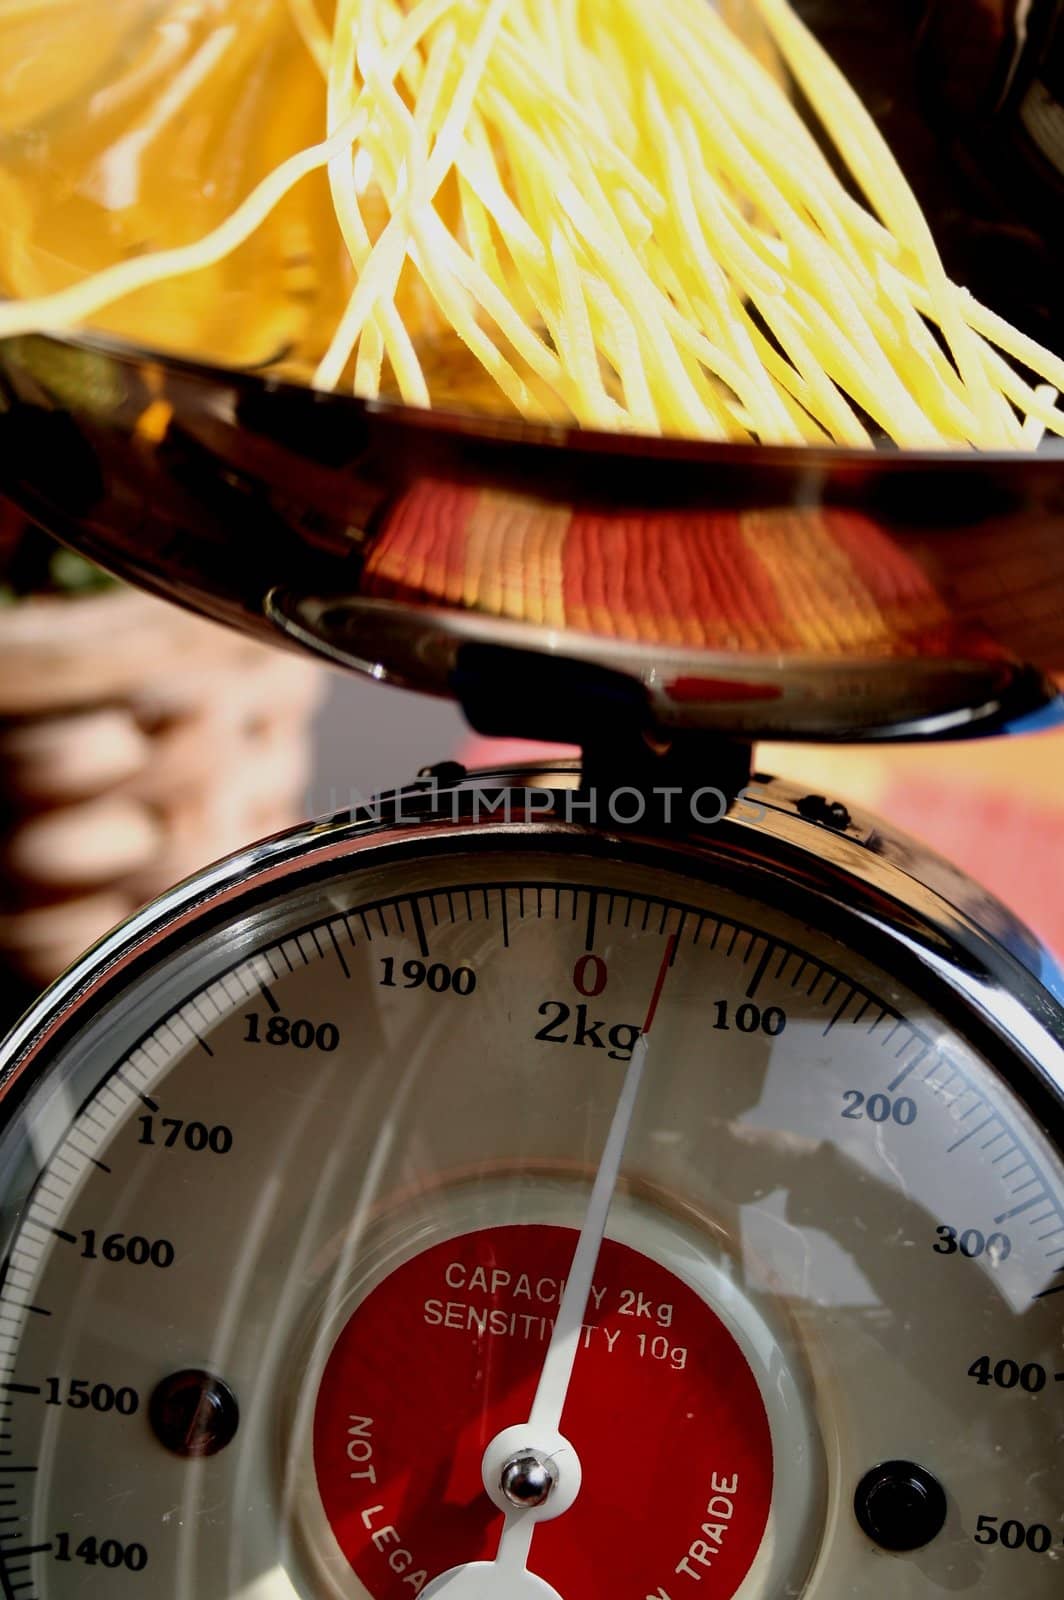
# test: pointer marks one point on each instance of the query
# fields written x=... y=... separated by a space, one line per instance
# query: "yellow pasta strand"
x=68 y=307
x=605 y=211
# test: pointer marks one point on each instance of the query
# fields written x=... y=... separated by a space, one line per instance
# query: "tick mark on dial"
x=592 y=914
x=193 y=1413
x=345 y=969
x=419 y=928
x=269 y=997
x=900 y=1506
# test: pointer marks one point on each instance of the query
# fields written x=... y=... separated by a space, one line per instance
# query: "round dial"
x=294 y=1198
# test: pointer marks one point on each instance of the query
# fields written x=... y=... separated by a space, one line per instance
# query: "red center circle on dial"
x=663 y=1410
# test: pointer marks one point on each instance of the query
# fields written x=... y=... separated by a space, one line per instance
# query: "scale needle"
x=532 y=1471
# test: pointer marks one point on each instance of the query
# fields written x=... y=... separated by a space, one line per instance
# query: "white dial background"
x=825 y=1185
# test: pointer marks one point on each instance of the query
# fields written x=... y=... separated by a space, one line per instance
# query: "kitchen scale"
x=629 y=1176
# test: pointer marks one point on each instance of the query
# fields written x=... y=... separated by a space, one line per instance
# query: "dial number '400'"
x=1031 y=1378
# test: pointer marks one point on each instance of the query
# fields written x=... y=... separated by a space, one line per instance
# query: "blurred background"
x=138 y=743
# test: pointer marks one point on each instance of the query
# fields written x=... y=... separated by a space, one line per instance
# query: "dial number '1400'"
x=111 y=1553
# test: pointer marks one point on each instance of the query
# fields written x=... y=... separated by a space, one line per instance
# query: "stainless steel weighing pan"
x=812 y=593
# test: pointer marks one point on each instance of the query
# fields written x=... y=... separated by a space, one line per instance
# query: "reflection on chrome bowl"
x=824 y=592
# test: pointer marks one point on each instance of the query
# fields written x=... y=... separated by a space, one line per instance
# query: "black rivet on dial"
x=900 y=1505
x=193 y=1413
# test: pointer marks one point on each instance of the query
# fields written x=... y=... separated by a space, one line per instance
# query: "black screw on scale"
x=900 y=1506
x=193 y=1413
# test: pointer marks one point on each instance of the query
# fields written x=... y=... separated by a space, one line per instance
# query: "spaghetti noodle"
x=602 y=211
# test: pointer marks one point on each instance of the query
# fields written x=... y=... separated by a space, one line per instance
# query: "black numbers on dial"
x=972 y=1244
x=578 y=1026
x=300 y=1034
x=749 y=1018
x=1030 y=1378
x=132 y=1248
x=879 y=1108
x=94 y=1552
x=437 y=977
x=172 y=1132
x=82 y=1395
x=1013 y=1535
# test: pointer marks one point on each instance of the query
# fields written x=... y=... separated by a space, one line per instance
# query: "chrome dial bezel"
x=948 y=940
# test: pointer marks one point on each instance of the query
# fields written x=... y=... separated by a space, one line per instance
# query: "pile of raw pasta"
x=614 y=213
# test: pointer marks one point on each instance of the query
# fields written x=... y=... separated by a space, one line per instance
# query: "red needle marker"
x=666 y=963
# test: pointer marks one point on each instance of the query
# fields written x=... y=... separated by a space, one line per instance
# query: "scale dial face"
x=291 y=1201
